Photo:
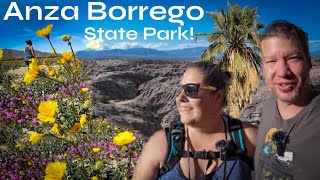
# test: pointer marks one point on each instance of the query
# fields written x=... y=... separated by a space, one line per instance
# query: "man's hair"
x=285 y=29
x=214 y=76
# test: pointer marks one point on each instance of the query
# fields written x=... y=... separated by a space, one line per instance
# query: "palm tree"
x=236 y=38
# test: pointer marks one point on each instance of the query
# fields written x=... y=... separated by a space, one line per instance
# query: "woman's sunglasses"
x=191 y=90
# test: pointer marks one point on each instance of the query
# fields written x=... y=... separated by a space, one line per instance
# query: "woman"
x=200 y=103
x=29 y=52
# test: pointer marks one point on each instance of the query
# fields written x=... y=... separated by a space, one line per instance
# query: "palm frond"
x=213 y=51
x=215 y=37
x=199 y=35
x=236 y=35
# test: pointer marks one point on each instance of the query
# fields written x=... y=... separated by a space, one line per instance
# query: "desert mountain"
x=9 y=54
x=141 y=93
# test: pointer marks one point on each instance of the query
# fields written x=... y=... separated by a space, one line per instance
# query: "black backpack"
x=175 y=134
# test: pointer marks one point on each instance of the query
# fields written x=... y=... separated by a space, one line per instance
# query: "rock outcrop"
x=141 y=93
x=137 y=93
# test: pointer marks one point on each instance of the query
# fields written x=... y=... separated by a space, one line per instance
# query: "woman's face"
x=202 y=106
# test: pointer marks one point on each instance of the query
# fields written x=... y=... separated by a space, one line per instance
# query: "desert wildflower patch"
x=47 y=129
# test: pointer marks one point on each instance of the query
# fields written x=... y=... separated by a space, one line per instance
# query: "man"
x=288 y=144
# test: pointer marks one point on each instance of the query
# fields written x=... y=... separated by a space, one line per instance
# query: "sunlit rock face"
x=141 y=93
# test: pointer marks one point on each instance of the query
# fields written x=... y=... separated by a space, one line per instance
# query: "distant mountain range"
x=187 y=53
x=146 y=53
x=9 y=54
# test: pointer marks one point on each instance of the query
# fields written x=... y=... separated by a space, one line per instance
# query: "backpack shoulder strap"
x=175 y=138
x=237 y=134
x=239 y=146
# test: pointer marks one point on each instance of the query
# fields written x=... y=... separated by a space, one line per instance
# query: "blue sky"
x=15 y=32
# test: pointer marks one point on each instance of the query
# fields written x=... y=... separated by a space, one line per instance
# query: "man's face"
x=285 y=68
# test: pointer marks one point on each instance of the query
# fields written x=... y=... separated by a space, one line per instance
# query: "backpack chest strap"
x=201 y=154
x=175 y=138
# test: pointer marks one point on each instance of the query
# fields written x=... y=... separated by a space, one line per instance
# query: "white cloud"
x=191 y=45
x=158 y=46
x=95 y=44
x=128 y=45
x=99 y=45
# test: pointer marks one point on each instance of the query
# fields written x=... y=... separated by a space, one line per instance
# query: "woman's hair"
x=285 y=29
x=29 y=42
x=214 y=76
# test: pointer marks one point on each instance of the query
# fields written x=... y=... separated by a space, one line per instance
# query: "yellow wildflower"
x=53 y=51
x=85 y=89
x=14 y=86
x=115 y=128
x=99 y=129
x=28 y=77
x=55 y=170
x=33 y=71
x=108 y=126
x=1 y=54
x=44 y=61
x=94 y=178
x=47 y=111
x=104 y=121
x=99 y=164
x=123 y=148
x=124 y=138
x=75 y=128
x=51 y=73
x=45 y=32
x=66 y=56
x=34 y=68
x=66 y=37
x=20 y=146
x=83 y=119
x=95 y=150
x=55 y=129
x=87 y=103
x=34 y=138
x=23 y=100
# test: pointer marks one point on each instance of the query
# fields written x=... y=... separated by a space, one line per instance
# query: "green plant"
x=236 y=38
x=47 y=129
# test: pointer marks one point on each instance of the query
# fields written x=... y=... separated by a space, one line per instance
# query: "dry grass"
x=11 y=69
x=19 y=66
x=245 y=81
